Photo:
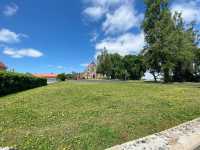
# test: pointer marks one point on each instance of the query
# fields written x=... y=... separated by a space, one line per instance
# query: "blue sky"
x=63 y=36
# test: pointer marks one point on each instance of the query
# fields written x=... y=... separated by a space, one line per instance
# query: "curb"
x=183 y=137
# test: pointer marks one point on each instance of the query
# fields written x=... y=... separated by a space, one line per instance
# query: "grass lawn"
x=93 y=116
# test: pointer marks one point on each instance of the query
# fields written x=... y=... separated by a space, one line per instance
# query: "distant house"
x=51 y=77
x=2 y=66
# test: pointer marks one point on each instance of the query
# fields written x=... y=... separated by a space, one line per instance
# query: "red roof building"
x=46 y=75
x=2 y=66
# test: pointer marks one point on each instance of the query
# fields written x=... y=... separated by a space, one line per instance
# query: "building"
x=51 y=77
x=91 y=72
x=2 y=66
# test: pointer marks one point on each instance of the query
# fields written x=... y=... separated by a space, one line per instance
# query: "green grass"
x=93 y=116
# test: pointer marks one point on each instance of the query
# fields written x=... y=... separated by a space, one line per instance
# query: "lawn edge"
x=185 y=137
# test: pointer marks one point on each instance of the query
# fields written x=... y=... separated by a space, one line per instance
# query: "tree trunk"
x=166 y=76
x=154 y=76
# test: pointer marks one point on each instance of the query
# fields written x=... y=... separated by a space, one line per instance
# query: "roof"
x=46 y=75
x=2 y=66
x=92 y=64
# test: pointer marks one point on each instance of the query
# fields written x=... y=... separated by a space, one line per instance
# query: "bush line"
x=11 y=82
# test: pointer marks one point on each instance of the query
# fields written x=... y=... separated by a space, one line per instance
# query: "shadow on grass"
x=4 y=94
x=188 y=84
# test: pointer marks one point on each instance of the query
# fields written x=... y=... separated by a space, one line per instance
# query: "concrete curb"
x=7 y=148
x=183 y=137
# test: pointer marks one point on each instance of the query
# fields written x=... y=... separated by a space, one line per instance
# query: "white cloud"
x=60 y=67
x=190 y=10
x=94 y=12
x=10 y=10
x=125 y=44
x=118 y=17
x=56 y=67
x=29 y=52
x=98 y=8
x=105 y=3
x=7 y=36
x=122 y=20
x=84 y=65
x=94 y=36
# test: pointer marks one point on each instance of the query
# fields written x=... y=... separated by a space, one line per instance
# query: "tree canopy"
x=115 y=66
x=171 y=49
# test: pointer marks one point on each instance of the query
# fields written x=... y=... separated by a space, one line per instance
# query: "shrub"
x=14 y=82
x=61 y=77
x=72 y=76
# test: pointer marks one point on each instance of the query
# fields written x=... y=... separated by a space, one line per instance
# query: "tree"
x=197 y=65
x=169 y=49
x=69 y=76
x=182 y=43
x=111 y=65
x=155 y=23
x=104 y=64
x=135 y=66
x=195 y=39
x=61 y=77
x=117 y=67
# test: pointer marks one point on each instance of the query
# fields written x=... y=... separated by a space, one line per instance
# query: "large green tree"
x=119 y=67
x=104 y=64
x=157 y=26
x=135 y=66
x=182 y=44
x=171 y=50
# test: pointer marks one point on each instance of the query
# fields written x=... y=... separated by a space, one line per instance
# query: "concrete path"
x=182 y=137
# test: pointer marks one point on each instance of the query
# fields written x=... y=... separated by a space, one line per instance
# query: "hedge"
x=15 y=82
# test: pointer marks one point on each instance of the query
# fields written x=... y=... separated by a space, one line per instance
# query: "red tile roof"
x=46 y=75
x=2 y=66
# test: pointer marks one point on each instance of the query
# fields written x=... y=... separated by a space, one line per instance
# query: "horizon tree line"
x=171 y=49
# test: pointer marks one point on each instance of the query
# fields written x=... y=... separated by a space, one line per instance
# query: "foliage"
x=93 y=116
x=171 y=49
x=157 y=26
x=197 y=65
x=104 y=64
x=11 y=82
x=135 y=66
x=61 y=77
x=171 y=45
x=117 y=67
x=123 y=68
x=70 y=76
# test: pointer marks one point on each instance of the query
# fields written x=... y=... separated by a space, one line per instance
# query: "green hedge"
x=14 y=82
